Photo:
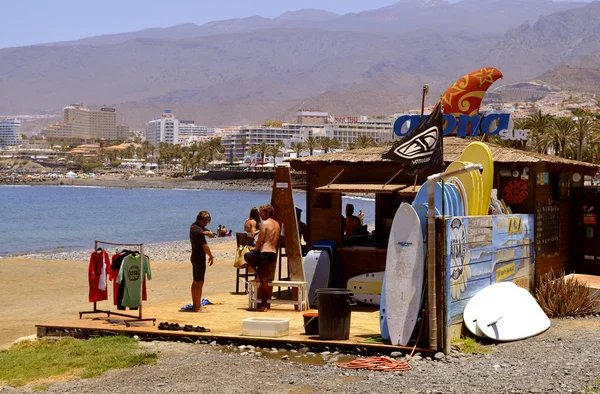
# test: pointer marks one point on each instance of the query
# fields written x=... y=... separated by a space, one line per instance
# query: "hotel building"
x=9 y=132
x=163 y=129
x=83 y=123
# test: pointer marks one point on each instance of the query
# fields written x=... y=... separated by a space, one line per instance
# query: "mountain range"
x=255 y=69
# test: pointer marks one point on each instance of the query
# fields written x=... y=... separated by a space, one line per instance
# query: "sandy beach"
x=34 y=289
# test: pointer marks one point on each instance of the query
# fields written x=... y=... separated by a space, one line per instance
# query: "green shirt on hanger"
x=130 y=271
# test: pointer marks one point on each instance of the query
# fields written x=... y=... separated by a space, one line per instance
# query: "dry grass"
x=560 y=297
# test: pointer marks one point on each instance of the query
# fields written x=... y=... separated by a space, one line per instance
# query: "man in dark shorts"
x=200 y=250
x=266 y=244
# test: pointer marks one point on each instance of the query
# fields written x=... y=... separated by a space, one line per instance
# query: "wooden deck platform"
x=225 y=323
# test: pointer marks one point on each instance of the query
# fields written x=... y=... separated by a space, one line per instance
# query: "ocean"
x=37 y=219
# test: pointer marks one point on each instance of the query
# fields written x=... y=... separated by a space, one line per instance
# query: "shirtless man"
x=352 y=222
x=266 y=244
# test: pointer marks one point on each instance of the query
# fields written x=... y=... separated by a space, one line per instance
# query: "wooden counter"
x=357 y=260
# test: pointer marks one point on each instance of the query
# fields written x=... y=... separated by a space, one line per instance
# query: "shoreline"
x=173 y=251
x=158 y=182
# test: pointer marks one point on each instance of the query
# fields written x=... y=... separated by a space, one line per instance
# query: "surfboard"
x=479 y=153
x=519 y=316
x=479 y=186
x=462 y=193
x=404 y=273
x=487 y=298
x=449 y=193
x=422 y=198
x=458 y=205
x=316 y=273
x=470 y=186
x=383 y=327
x=367 y=287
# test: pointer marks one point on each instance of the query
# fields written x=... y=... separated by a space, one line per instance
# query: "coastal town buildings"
x=82 y=123
x=10 y=132
x=163 y=129
x=188 y=128
x=347 y=130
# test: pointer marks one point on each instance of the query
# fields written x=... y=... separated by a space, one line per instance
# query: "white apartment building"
x=10 y=132
x=345 y=130
x=163 y=129
x=188 y=128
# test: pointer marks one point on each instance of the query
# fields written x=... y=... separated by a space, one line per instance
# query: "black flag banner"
x=421 y=148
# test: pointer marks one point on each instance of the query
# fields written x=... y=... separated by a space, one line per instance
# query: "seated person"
x=353 y=224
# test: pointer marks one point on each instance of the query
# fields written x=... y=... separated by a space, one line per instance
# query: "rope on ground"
x=384 y=363
x=377 y=364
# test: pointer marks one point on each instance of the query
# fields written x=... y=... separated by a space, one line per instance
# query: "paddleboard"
x=404 y=273
x=480 y=153
x=461 y=193
x=519 y=316
x=316 y=273
x=367 y=287
x=470 y=187
x=490 y=297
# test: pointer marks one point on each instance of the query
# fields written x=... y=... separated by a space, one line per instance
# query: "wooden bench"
x=301 y=304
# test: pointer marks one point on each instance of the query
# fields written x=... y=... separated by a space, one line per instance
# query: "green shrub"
x=560 y=297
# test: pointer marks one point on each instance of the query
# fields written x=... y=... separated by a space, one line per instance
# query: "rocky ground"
x=565 y=359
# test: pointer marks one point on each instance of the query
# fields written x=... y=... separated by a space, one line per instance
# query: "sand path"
x=33 y=291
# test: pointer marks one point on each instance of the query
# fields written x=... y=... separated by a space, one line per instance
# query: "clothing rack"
x=108 y=312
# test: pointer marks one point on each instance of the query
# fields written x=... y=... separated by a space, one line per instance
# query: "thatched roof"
x=453 y=147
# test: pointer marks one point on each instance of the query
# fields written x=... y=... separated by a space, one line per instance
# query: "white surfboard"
x=367 y=287
x=316 y=273
x=518 y=317
x=404 y=273
x=488 y=298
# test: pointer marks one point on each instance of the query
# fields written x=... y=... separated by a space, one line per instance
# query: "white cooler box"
x=265 y=327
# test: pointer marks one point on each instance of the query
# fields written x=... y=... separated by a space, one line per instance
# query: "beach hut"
x=545 y=225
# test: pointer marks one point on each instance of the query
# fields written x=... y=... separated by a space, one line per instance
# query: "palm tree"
x=328 y=143
x=364 y=141
x=298 y=147
x=215 y=148
x=311 y=144
x=262 y=149
x=563 y=134
x=244 y=142
x=274 y=150
x=539 y=124
x=584 y=130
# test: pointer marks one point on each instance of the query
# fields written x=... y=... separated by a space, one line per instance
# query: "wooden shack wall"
x=553 y=221
x=324 y=209
x=480 y=251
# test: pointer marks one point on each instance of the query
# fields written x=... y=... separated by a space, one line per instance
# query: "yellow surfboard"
x=479 y=153
x=471 y=185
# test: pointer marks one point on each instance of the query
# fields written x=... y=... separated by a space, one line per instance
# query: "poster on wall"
x=547 y=229
x=485 y=250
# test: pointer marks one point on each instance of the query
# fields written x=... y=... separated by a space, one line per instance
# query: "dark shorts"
x=199 y=270
x=265 y=261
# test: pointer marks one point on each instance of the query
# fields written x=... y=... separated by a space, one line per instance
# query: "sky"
x=28 y=22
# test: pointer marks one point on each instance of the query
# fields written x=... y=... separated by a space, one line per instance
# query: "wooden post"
x=282 y=200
